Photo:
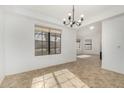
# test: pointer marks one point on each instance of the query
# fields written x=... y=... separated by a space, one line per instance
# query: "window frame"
x=49 y=31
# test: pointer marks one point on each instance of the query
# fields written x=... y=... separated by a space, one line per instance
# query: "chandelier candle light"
x=71 y=20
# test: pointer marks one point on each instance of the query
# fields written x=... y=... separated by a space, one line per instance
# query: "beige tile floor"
x=63 y=78
x=83 y=73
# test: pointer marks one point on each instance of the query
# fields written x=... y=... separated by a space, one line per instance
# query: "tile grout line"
x=64 y=81
x=57 y=81
x=43 y=81
x=71 y=79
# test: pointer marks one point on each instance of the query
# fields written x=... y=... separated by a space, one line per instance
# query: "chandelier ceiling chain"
x=71 y=19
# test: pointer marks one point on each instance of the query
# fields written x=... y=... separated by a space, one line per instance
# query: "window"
x=88 y=44
x=47 y=41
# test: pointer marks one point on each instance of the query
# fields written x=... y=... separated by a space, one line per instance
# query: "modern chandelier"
x=71 y=19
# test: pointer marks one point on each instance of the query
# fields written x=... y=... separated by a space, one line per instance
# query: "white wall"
x=19 y=42
x=94 y=34
x=2 y=62
x=113 y=44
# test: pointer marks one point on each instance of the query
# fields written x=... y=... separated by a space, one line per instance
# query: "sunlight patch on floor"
x=59 y=79
x=83 y=56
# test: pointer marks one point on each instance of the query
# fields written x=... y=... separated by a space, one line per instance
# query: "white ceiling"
x=90 y=12
x=60 y=11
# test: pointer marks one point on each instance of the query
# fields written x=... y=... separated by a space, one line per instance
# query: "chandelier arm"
x=77 y=23
x=67 y=23
x=73 y=12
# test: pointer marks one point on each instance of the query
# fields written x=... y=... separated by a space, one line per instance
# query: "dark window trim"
x=49 y=43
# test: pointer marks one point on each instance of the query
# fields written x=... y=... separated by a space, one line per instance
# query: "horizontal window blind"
x=47 y=29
